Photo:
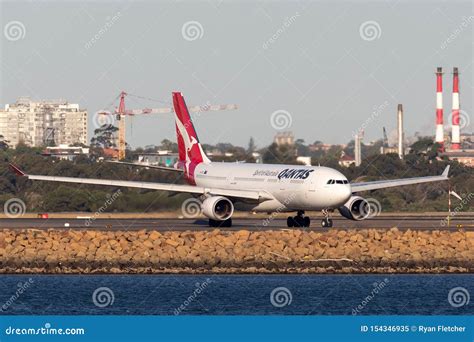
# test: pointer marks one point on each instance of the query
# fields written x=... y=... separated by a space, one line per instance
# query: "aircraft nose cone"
x=339 y=195
x=347 y=192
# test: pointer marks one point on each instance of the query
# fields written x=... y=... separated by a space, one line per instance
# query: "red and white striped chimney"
x=439 y=108
x=455 y=138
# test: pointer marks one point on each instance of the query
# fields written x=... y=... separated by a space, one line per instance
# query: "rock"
x=148 y=244
x=300 y=252
x=332 y=242
x=148 y=251
x=154 y=235
x=182 y=251
x=243 y=234
x=172 y=243
x=91 y=234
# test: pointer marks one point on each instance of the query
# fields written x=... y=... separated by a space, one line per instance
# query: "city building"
x=43 y=123
x=258 y=157
x=65 y=152
x=346 y=160
x=465 y=157
x=284 y=138
x=110 y=153
x=467 y=140
x=304 y=160
x=324 y=147
x=160 y=158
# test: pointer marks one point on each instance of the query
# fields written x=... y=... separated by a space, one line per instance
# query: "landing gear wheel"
x=326 y=222
x=290 y=222
x=299 y=220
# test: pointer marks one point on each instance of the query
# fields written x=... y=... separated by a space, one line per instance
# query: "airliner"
x=259 y=187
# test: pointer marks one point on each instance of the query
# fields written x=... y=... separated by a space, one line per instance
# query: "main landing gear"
x=216 y=223
x=299 y=220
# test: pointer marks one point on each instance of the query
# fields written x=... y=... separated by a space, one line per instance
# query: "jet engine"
x=356 y=208
x=217 y=208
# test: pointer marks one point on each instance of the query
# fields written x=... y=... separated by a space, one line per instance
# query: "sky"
x=322 y=69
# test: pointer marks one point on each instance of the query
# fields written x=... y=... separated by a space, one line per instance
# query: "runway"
x=416 y=222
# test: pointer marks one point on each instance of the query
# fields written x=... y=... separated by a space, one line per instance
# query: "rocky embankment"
x=221 y=251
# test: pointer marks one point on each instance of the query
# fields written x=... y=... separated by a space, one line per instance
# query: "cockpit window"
x=338 y=181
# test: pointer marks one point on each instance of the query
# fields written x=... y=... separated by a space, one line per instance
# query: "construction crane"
x=384 y=146
x=121 y=113
x=385 y=138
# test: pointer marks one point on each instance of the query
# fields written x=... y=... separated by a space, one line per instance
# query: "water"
x=236 y=294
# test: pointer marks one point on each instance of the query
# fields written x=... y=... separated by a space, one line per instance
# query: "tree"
x=283 y=154
x=251 y=147
x=104 y=137
x=3 y=143
x=425 y=147
x=169 y=145
x=301 y=148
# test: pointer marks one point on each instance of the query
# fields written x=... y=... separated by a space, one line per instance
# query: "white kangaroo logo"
x=193 y=142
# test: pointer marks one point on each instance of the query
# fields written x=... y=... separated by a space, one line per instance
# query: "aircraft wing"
x=164 y=168
x=242 y=194
x=365 y=186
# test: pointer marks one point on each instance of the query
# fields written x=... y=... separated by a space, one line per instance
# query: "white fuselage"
x=293 y=187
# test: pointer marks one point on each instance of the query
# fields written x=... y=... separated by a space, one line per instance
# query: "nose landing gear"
x=326 y=222
x=299 y=220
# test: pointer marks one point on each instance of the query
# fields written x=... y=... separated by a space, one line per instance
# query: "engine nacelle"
x=356 y=208
x=217 y=208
